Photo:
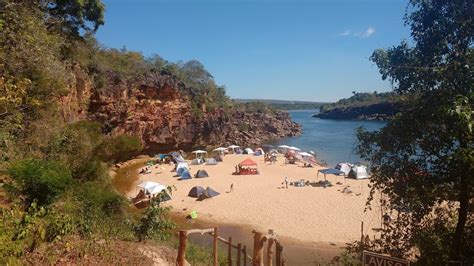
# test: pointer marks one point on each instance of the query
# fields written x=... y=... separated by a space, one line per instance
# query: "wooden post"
x=215 y=246
x=257 y=249
x=279 y=249
x=270 y=252
x=182 y=248
x=229 y=252
x=239 y=247
x=244 y=251
x=361 y=239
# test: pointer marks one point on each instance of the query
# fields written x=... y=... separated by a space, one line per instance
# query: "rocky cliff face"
x=154 y=108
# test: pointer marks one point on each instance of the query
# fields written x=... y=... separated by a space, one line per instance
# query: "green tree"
x=423 y=160
x=38 y=180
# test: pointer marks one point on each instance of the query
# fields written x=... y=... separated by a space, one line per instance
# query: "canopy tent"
x=233 y=147
x=201 y=174
x=185 y=175
x=248 y=151
x=199 y=153
x=211 y=161
x=157 y=189
x=147 y=185
x=345 y=167
x=248 y=162
x=247 y=167
x=359 y=172
x=220 y=150
x=196 y=191
x=208 y=193
x=331 y=171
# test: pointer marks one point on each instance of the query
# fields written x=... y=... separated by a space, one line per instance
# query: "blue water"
x=333 y=141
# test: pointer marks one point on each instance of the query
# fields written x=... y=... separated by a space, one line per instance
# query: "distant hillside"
x=363 y=106
x=285 y=105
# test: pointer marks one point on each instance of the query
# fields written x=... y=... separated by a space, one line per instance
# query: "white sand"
x=307 y=213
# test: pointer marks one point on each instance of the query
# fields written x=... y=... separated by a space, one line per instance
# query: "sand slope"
x=308 y=213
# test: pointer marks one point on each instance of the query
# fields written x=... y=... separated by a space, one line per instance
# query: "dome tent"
x=196 y=191
x=211 y=161
x=201 y=174
x=185 y=175
x=181 y=167
x=359 y=172
x=208 y=193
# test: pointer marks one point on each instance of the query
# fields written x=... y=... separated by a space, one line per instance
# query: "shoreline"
x=320 y=210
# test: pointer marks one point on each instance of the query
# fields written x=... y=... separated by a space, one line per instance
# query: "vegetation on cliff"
x=423 y=160
x=363 y=106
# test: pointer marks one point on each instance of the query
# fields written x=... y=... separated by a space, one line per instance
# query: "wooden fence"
x=242 y=256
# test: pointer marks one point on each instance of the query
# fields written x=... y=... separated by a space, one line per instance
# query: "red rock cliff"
x=154 y=108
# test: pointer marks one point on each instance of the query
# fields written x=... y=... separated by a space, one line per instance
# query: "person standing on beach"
x=286 y=182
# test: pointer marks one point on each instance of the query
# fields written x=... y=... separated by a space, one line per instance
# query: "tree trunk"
x=464 y=196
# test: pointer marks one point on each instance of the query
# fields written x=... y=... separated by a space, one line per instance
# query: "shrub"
x=119 y=148
x=155 y=223
x=39 y=180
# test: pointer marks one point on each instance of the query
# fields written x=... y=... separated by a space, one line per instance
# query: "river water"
x=333 y=141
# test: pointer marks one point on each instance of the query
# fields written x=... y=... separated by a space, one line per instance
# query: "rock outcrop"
x=155 y=109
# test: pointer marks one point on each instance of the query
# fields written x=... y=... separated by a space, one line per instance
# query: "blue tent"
x=185 y=175
x=331 y=171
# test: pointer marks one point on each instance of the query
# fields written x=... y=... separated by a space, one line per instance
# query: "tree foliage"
x=38 y=180
x=423 y=160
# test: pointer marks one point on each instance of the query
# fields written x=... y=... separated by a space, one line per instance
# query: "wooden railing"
x=242 y=256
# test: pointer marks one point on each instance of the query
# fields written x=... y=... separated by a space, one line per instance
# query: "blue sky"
x=283 y=49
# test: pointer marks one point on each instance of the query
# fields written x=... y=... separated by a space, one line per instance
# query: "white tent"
x=181 y=167
x=199 y=153
x=151 y=187
x=220 y=150
x=157 y=189
x=345 y=167
x=233 y=147
x=249 y=151
x=359 y=172
x=147 y=184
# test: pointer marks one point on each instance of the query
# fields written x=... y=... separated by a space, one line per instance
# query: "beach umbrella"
x=233 y=146
x=294 y=148
x=305 y=154
x=284 y=146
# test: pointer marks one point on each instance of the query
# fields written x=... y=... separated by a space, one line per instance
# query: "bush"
x=119 y=148
x=39 y=180
x=155 y=223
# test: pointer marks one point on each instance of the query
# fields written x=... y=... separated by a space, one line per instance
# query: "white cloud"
x=366 y=34
x=345 y=33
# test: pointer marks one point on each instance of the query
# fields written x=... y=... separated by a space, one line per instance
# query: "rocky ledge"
x=155 y=109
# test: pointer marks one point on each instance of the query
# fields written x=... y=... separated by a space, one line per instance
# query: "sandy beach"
x=313 y=214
